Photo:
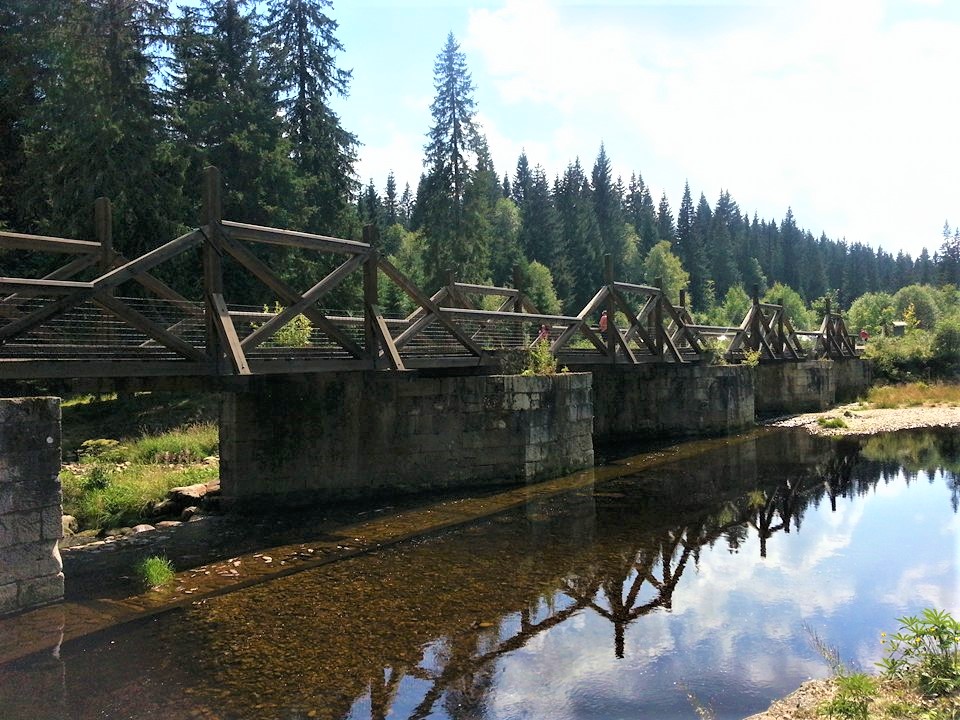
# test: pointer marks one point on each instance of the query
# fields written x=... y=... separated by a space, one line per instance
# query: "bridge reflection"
x=422 y=630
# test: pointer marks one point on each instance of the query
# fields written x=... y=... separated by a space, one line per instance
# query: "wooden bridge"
x=123 y=321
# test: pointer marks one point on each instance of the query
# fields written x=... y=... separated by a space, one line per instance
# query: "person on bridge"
x=603 y=321
x=544 y=335
x=864 y=335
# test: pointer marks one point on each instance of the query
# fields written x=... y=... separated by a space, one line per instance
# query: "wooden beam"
x=147 y=261
x=486 y=289
x=412 y=290
x=635 y=324
x=264 y=274
x=43 y=243
x=290 y=238
x=228 y=335
x=65 y=272
x=390 y=351
x=148 y=327
x=42 y=287
x=633 y=288
x=506 y=316
x=269 y=328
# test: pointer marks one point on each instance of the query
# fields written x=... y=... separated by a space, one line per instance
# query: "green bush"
x=902 y=359
x=926 y=651
x=919 y=302
x=295 y=333
x=946 y=341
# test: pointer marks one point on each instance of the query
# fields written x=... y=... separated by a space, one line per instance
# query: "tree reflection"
x=421 y=630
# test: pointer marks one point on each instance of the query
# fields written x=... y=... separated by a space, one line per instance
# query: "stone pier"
x=340 y=436
x=30 y=503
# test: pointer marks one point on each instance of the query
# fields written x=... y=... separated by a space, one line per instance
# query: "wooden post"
x=609 y=336
x=212 y=215
x=683 y=298
x=658 y=317
x=755 y=321
x=781 y=338
x=370 y=294
x=103 y=219
x=518 y=286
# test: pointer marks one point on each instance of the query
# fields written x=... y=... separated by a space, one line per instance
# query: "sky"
x=847 y=111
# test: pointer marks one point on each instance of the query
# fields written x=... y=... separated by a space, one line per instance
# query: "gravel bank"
x=862 y=420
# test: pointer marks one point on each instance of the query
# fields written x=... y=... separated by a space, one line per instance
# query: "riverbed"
x=664 y=584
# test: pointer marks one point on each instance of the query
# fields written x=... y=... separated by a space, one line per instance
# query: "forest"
x=131 y=99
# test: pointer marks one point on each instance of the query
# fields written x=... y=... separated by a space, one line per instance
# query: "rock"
x=213 y=487
x=164 y=507
x=114 y=532
x=189 y=512
x=70 y=525
x=188 y=494
x=142 y=528
x=169 y=524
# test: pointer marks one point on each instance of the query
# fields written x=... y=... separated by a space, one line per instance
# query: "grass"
x=914 y=394
x=154 y=572
x=920 y=680
x=128 y=452
x=833 y=422
x=105 y=496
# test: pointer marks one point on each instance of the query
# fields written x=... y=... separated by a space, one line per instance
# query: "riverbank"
x=860 y=419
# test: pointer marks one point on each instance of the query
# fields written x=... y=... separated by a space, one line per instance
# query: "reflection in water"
x=605 y=603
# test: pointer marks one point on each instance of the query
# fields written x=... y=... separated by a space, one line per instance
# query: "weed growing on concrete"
x=540 y=361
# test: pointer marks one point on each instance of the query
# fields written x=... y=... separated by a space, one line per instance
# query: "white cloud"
x=842 y=110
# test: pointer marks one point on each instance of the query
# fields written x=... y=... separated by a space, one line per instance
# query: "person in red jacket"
x=603 y=321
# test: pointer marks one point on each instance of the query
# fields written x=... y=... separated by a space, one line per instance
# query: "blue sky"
x=846 y=111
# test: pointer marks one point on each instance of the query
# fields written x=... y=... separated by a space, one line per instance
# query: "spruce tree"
x=226 y=113
x=450 y=243
x=580 y=234
x=391 y=207
x=608 y=207
x=302 y=69
x=99 y=130
x=665 y=227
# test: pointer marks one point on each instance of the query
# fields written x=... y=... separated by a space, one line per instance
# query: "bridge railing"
x=75 y=321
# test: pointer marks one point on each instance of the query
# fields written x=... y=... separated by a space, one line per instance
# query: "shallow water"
x=698 y=584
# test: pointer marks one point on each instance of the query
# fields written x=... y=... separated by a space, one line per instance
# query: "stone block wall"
x=655 y=400
x=785 y=388
x=30 y=503
x=853 y=378
x=353 y=435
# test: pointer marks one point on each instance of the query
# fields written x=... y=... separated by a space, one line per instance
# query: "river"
x=695 y=588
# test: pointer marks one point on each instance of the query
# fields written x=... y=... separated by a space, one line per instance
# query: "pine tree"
x=225 y=113
x=450 y=243
x=580 y=235
x=539 y=237
x=702 y=288
x=302 y=69
x=720 y=245
x=406 y=206
x=27 y=48
x=665 y=228
x=790 y=237
x=521 y=181
x=608 y=207
x=98 y=130
x=391 y=208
